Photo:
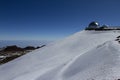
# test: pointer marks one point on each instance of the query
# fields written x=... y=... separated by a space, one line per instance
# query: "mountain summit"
x=85 y=55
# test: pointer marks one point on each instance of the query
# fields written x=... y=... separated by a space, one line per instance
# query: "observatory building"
x=95 y=26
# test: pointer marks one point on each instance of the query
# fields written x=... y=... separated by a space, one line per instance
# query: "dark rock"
x=13 y=48
x=40 y=46
x=37 y=47
x=118 y=37
x=118 y=41
x=29 y=48
x=13 y=52
x=7 y=59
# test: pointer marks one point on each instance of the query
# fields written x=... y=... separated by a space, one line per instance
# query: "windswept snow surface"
x=86 y=55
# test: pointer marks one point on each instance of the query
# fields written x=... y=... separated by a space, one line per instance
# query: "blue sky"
x=53 y=19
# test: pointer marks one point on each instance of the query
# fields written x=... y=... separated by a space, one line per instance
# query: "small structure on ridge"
x=96 y=26
x=93 y=25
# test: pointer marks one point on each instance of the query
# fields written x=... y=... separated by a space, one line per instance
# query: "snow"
x=85 y=55
x=2 y=57
x=97 y=64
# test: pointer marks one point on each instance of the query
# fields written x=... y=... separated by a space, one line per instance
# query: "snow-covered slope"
x=101 y=63
x=86 y=55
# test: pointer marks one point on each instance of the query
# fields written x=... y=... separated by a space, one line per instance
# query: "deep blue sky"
x=53 y=19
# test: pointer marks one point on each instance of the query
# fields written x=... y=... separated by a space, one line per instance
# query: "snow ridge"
x=86 y=55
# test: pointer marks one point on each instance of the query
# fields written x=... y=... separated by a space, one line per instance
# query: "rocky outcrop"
x=11 y=52
x=29 y=48
x=13 y=48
